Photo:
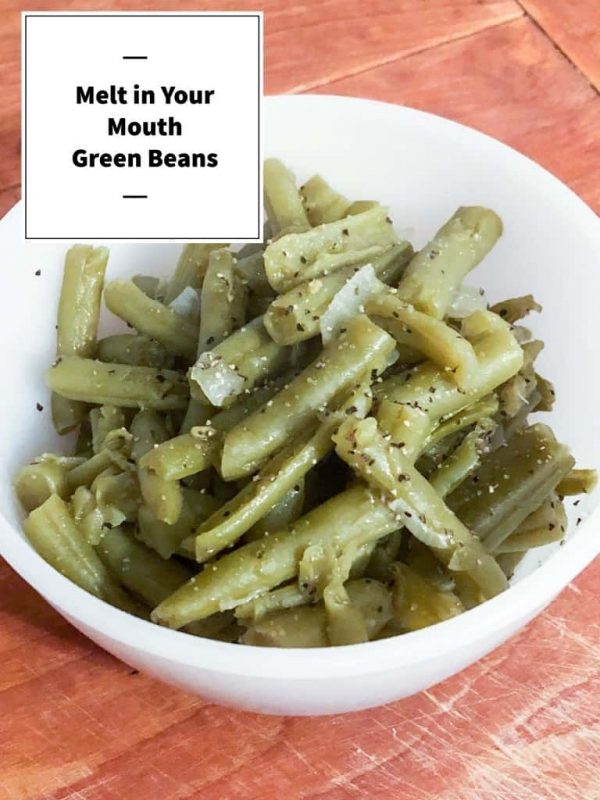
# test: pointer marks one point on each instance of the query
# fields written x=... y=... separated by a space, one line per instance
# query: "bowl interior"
x=422 y=167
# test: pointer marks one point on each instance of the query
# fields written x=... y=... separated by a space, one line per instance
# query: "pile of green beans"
x=299 y=444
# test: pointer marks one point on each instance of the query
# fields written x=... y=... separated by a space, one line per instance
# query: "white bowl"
x=423 y=167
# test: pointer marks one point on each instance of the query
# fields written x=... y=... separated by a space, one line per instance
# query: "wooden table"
x=524 y=723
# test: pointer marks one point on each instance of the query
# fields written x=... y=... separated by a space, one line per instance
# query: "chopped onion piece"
x=219 y=381
x=465 y=301
x=349 y=301
x=187 y=303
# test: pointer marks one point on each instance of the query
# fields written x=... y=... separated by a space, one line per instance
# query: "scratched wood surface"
x=522 y=724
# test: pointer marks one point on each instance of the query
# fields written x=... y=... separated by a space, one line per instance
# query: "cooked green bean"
x=165 y=538
x=440 y=343
x=139 y=569
x=242 y=361
x=285 y=511
x=464 y=459
x=296 y=315
x=288 y=596
x=279 y=476
x=343 y=363
x=546 y=392
x=418 y=604
x=415 y=502
x=134 y=349
x=77 y=323
x=117 y=384
x=308 y=626
x=298 y=257
x=223 y=303
x=174 y=331
x=36 y=482
x=322 y=203
x=578 y=481
x=190 y=269
x=516 y=308
x=184 y=455
x=439 y=268
x=543 y=526
x=282 y=199
x=251 y=271
x=511 y=483
x=257 y=567
x=51 y=530
x=103 y=420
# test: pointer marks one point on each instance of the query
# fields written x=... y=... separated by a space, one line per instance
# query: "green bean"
x=139 y=569
x=133 y=349
x=298 y=257
x=322 y=203
x=285 y=511
x=440 y=343
x=343 y=363
x=52 y=532
x=117 y=384
x=384 y=555
x=546 y=392
x=438 y=269
x=279 y=476
x=578 y=481
x=77 y=324
x=288 y=596
x=511 y=483
x=251 y=271
x=296 y=315
x=197 y=413
x=190 y=269
x=223 y=302
x=103 y=420
x=163 y=496
x=117 y=497
x=242 y=361
x=418 y=604
x=36 y=482
x=415 y=502
x=508 y=562
x=282 y=200
x=166 y=539
x=175 y=332
x=434 y=395
x=115 y=454
x=516 y=308
x=543 y=526
x=308 y=626
x=464 y=460
x=360 y=206
x=257 y=567
x=480 y=410
x=149 y=284
x=183 y=455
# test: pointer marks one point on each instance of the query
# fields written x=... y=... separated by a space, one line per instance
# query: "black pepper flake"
x=551 y=526
x=578 y=521
x=299 y=326
x=351 y=410
x=379 y=609
x=134 y=672
x=160 y=378
x=39 y=406
x=210 y=340
x=343 y=330
x=111 y=371
x=407 y=514
x=387 y=219
x=503 y=312
x=129 y=325
x=302 y=260
x=576 y=503
x=402 y=477
x=38 y=272
x=226 y=513
x=346 y=232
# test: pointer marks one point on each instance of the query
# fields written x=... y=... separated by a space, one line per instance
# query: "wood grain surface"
x=522 y=724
